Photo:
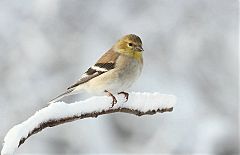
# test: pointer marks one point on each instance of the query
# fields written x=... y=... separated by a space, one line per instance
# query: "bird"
x=115 y=71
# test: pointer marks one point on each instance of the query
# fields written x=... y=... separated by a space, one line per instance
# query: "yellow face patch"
x=137 y=55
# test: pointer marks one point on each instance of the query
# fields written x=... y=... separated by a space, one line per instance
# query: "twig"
x=55 y=122
x=59 y=113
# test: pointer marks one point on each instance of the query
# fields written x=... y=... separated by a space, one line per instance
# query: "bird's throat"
x=137 y=55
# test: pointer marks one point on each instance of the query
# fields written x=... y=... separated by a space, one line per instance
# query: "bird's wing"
x=104 y=64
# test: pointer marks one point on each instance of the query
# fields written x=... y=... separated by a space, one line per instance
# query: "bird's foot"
x=114 y=100
x=126 y=95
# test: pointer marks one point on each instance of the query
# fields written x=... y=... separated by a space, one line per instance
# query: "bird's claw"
x=114 y=100
x=126 y=95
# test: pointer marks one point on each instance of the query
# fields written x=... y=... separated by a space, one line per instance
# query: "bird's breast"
x=130 y=70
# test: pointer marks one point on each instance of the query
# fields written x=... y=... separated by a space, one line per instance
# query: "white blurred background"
x=191 y=51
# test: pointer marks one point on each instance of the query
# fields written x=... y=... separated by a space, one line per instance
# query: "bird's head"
x=130 y=45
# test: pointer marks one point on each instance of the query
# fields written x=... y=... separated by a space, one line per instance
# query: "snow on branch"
x=58 y=113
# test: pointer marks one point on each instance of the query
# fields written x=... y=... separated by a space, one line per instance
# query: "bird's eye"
x=130 y=44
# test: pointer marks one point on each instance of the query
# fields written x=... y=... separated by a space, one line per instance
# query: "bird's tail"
x=67 y=93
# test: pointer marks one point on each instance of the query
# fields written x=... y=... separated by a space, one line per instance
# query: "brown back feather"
x=102 y=62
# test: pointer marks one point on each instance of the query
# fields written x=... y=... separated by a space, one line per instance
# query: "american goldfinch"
x=113 y=73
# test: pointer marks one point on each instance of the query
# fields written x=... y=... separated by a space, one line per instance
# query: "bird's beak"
x=139 y=48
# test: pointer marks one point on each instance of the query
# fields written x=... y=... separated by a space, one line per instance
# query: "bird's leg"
x=114 y=100
x=125 y=95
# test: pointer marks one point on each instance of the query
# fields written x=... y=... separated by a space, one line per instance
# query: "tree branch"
x=59 y=113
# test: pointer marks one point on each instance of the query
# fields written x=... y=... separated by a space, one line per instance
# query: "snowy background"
x=191 y=51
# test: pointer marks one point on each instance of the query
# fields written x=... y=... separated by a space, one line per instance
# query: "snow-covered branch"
x=58 y=113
